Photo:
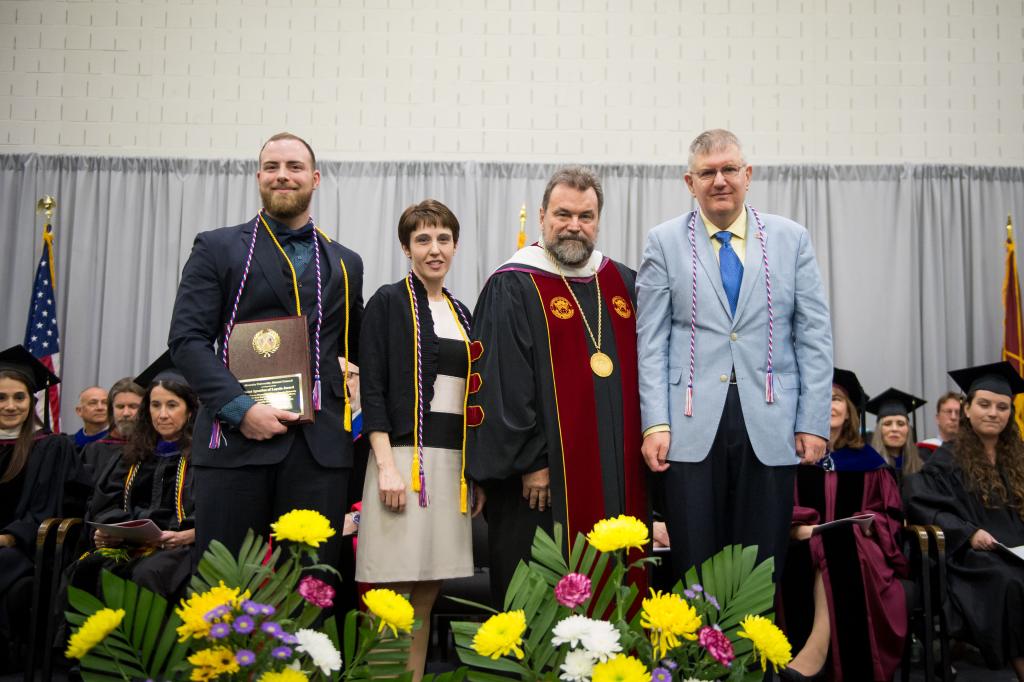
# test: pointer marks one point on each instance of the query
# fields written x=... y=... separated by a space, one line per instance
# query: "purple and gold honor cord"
x=216 y=435
x=418 y=476
x=769 y=389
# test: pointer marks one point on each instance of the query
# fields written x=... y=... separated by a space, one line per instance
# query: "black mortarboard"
x=848 y=381
x=37 y=376
x=998 y=377
x=892 y=402
x=162 y=369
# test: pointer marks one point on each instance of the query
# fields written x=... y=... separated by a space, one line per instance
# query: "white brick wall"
x=540 y=80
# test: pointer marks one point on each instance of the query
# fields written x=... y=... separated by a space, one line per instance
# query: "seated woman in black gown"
x=34 y=466
x=152 y=480
x=894 y=437
x=973 y=488
x=841 y=591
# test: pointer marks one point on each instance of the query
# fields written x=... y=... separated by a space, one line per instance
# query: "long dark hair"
x=849 y=434
x=23 y=445
x=142 y=442
x=981 y=477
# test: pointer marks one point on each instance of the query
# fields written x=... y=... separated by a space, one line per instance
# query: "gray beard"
x=570 y=252
x=125 y=427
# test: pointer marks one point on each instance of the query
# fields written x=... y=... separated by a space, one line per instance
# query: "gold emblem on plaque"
x=621 y=307
x=561 y=308
x=266 y=342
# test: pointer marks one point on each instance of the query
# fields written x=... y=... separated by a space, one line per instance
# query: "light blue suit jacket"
x=802 y=356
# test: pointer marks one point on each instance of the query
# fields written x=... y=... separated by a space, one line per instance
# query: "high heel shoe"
x=790 y=675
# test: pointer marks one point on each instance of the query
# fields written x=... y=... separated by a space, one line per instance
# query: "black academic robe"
x=860 y=570
x=986 y=589
x=30 y=498
x=157 y=493
x=524 y=418
x=96 y=456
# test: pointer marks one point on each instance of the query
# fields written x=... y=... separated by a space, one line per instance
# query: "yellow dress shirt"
x=739 y=245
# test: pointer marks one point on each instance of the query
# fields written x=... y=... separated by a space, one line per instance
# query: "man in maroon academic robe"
x=554 y=411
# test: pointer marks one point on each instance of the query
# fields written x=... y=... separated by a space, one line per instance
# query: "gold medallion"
x=266 y=342
x=601 y=364
x=561 y=308
x=621 y=307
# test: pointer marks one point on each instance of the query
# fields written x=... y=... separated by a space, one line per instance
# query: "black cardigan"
x=387 y=387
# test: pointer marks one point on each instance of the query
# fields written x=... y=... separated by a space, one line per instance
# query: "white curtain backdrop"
x=912 y=255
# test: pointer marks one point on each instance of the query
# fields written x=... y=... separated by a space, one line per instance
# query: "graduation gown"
x=866 y=602
x=160 y=489
x=30 y=498
x=537 y=404
x=986 y=589
x=96 y=456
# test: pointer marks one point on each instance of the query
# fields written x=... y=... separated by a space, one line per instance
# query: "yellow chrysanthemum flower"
x=668 y=617
x=93 y=631
x=393 y=609
x=621 y=669
x=194 y=609
x=501 y=635
x=284 y=675
x=209 y=664
x=303 y=525
x=621 y=532
x=769 y=642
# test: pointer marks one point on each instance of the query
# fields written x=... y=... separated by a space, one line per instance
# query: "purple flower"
x=697 y=587
x=572 y=590
x=266 y=610
x=220 y=630
x=281 y=653
x=251 y=607
x=689 y=594
x=219 y=612
x=288 y=638
x=714 y=602
x=271 y=628
x=244 y=625
x=717 y=644
x=244 y=657
x=669 y=663
x=316 y=592
x=661 y=675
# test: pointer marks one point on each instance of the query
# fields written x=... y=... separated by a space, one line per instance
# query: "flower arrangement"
x=556 y=625
x=248 y=617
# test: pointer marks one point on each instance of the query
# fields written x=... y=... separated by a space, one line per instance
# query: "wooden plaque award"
x=270 y=358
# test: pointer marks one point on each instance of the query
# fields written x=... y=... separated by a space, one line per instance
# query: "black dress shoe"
x=790 y=675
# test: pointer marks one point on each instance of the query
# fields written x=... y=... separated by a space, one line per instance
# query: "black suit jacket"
x=209 y=283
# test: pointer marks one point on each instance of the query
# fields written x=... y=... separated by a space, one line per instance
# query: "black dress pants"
x=730 y=497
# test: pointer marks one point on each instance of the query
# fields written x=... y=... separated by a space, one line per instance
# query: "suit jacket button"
x=723 y=378
x=734 y=336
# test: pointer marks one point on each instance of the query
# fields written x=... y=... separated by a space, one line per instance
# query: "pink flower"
x=572 y=590
x=316 y=592
x=717 y=644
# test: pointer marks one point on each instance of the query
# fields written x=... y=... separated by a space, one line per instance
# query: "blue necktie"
x=731 y=268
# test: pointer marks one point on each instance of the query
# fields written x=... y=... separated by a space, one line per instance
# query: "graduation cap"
x=162 y=369
x=891 y=402
x=998 y=377
x=848 y=381
x=37 y=375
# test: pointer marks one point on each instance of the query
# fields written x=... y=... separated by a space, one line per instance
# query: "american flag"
x=42 y=336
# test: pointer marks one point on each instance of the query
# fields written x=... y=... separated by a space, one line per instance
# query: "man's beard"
x=572 y=251
x=286 y=206
x=125 y=427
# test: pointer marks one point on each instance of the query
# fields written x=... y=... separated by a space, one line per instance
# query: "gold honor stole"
x=574 y=397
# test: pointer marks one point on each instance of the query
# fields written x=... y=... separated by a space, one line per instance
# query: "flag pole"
x=46 y=206
x=521 y=240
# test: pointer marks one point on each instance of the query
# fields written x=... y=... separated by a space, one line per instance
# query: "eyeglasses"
x=709 y=174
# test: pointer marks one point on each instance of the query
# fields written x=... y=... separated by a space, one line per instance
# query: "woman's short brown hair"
x=427 y=212
x=849 y=435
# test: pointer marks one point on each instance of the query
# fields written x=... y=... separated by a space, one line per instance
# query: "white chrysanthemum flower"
x=601 y=640
x=320 y=649
x=571 y=630
x=578 y=666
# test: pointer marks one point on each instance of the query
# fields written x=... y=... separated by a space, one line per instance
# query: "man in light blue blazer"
x=735 y=356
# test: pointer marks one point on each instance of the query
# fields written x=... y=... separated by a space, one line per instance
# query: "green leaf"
x=466 y=602
x=144 y=604
x=154 y=624
x=112 y=589
x=83 y=601
x=351 y=627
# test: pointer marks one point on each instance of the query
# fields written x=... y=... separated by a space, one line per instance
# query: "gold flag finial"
x=521 y=241
x=46 y=204
x=1009 y=227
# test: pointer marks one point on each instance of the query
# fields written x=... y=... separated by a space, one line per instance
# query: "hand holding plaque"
x=270 y=358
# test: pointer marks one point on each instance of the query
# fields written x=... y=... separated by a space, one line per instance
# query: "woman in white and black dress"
x=416 y=375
